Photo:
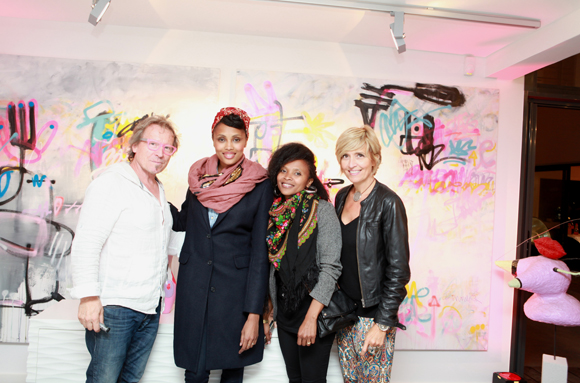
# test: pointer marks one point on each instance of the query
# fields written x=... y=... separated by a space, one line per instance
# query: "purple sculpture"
x=548 y=279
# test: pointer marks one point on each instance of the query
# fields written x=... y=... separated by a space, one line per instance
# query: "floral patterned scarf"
x=291 y=239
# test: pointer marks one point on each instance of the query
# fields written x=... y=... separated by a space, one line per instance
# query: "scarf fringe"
x=290 y=297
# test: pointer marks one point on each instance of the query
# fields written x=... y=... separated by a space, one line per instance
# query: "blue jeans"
x=121 y=354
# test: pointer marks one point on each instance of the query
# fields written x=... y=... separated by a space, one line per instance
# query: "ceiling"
x=310 y=22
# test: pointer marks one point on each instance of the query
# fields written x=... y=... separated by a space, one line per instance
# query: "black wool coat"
x=223 y=276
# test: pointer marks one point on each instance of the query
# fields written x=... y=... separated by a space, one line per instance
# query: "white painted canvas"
x=439 y=150
x=60 y=122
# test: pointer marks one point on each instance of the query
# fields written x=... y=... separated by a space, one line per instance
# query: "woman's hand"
x=374 y=338
x=267 y=333
x=307 y=330
x=268 y=319
x=249 y=333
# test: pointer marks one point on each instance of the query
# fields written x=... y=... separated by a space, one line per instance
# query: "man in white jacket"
x=119 y=255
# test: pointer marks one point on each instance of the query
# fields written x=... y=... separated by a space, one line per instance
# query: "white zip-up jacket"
x=119 y=252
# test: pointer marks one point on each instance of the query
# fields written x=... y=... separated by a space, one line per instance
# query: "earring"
x=276 y=191
x=311 y=189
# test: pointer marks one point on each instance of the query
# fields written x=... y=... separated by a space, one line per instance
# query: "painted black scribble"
x=26 y=138
x=419 y=140
x=22 y=126
x=129 y=127
x=419 y=137
x=439 y=94
x=383 y=98
x=20 y=250
x=369 y=110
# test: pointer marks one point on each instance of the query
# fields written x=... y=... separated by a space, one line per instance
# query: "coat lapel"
x=222 y=215
x=203 y=212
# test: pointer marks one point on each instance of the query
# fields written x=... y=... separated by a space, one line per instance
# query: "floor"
x=18 y=378
x=534 y=375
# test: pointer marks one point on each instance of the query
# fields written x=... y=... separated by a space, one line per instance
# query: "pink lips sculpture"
x=549 y=279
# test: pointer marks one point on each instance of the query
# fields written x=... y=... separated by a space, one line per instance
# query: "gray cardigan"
x=328 y=247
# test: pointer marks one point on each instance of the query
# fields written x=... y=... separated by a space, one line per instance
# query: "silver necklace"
x=358 y=194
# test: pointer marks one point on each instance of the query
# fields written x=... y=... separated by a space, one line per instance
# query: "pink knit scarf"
x=225 y=191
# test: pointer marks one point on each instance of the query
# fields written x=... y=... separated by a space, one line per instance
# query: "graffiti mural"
x=61 y=122
x=439 y=150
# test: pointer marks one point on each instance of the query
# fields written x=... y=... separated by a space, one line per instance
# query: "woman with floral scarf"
x=304 y=244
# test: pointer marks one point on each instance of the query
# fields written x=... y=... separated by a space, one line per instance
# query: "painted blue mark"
x=393 y=122
x=460 y=148
x=13 y=137
x=20 y=105
x=107 y=135
x=1 y=127
x=455 y=161
x=7 y=177
x=30 y=104
x=37 y=181
x=51 y=126
x=390 y=124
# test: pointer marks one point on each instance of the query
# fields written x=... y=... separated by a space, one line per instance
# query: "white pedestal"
x=57 y=353
x=554 y=370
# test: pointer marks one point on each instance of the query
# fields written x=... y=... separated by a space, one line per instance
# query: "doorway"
x=550 y=199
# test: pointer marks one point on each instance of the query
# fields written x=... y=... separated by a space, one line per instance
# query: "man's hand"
x=91 y=313
x=249 y=333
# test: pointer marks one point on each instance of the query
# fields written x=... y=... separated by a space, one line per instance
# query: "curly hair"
x=143 y=124
x=292 y=152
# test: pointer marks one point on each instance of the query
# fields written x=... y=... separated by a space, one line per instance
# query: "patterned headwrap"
x=231 y=110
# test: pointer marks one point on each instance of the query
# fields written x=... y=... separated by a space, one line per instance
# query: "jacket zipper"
x=357 y=260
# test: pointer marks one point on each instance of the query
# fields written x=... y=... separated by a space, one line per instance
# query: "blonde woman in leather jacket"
x=375 y=259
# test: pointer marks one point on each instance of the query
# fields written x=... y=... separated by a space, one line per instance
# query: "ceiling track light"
x=99 y=9
x=444 y=13
x=397 y=31
x=398 y=12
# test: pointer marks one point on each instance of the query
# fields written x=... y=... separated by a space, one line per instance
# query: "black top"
x=291 y=322
x=349 y=280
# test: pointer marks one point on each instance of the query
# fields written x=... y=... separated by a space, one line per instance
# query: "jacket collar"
x=341 y=198
x=125 y=170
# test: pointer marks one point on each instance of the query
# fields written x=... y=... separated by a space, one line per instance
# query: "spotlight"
x=99 y=9
x=397 y=31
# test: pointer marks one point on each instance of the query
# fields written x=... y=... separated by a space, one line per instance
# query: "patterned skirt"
x=370 y=367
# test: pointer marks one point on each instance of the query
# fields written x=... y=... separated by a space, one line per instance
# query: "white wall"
x=229 y=52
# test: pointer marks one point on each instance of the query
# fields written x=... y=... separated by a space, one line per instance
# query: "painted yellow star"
x=315 y=130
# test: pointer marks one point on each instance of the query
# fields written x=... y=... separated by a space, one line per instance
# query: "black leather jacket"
x=382 y=251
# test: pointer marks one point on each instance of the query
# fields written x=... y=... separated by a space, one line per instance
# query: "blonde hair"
x=356 y=138
x=143 y=124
